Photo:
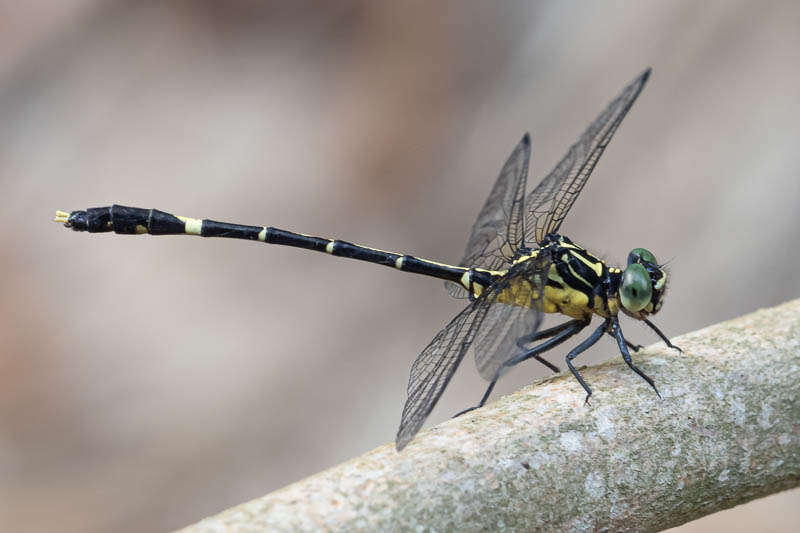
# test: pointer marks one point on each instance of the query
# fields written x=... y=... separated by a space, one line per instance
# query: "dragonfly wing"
x=498 y=230
x=551 y=200
x=492 y=323
x=433 y=368
x=515 y=311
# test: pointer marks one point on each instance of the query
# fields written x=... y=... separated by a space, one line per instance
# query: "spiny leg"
x=663 y=337
x=582 y=347
x=567 y=330
x=617 y=331
x=544 y=334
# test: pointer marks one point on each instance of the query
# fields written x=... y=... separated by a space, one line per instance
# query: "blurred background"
x=146 y=383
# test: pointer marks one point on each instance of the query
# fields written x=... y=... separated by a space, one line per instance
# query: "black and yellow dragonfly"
x=516 y=268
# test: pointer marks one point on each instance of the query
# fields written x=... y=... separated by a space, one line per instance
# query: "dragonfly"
x=516 y=268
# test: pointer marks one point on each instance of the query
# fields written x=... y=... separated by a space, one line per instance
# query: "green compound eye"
x=636 y=289
x=643 y=254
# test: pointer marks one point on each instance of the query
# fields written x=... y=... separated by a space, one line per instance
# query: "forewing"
x=515 y=311
x=551 y=200
x=433 y=368
x=498 y=230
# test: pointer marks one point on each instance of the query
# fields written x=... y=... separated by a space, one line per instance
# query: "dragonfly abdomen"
x=138 y=221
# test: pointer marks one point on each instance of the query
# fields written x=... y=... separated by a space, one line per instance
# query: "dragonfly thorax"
x=580 y=284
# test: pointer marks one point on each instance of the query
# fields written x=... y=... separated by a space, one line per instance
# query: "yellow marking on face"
x=329 y=248
x=660 y=283
x=262 y=235
x=398 y=263
x=193 y=226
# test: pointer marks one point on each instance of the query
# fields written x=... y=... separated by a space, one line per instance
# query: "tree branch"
x=727 y=431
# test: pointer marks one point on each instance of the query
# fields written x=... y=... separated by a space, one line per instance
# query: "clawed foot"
x=657 y=393
x=464 y=411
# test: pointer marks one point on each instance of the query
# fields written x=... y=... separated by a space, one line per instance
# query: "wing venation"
x=551 y=200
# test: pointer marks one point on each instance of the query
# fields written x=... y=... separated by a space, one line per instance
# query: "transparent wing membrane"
x=498 y=230
x=492 y=324
x=551 y=200
x=513 y=313
x=433 y=368
x=509 y=220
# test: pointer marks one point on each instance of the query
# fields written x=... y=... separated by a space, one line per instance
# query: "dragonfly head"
x=641 y=290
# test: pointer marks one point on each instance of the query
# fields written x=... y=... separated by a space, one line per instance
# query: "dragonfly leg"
x=481 y=403
x=663 y=337
x=629 y=344
x=566 y=330
x=544 y=334
x=617 y=332
x=582 y=347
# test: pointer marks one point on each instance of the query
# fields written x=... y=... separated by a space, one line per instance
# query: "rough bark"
x=727 y=431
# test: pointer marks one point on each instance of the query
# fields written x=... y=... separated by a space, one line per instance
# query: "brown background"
x=148 y=382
